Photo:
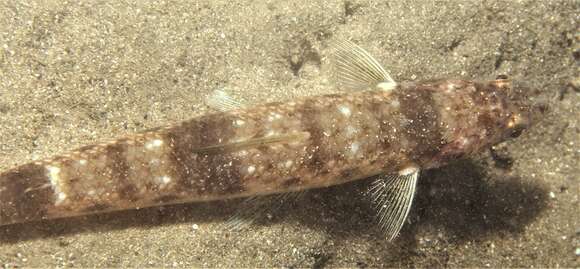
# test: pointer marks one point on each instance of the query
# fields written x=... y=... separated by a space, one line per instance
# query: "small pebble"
x=577 y=251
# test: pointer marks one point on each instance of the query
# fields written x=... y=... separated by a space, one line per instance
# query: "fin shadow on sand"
x=458 y=200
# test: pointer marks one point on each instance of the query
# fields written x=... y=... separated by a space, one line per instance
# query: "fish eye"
x=516 y=126
x=516 y=131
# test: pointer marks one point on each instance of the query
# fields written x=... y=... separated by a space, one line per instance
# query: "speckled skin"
x=339 y=138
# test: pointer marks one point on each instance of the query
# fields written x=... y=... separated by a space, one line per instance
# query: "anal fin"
x=255 y=208
x=392 y=196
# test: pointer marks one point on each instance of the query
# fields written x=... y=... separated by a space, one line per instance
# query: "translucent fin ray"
x=253 y=142
x=258 y=207
x=222 y=101
x=355 y=69
x=392 y=196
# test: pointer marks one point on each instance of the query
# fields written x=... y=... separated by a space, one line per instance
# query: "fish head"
x=478 y=115
x=509 y=105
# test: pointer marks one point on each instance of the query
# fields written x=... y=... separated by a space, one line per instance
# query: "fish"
x=373 y=127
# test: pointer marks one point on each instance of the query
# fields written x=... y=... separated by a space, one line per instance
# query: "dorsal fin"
x=355 y=69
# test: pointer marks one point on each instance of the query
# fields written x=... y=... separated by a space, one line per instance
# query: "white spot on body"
x=61 y=197
x=409 y=170
x=239 y=122
x=288 y=163
x=163 y=180
x=153 y=144
x=157 y=142
x=450 y=87
x=154 y=162
x=350 y=130
x=464 y=141
x=387 y=86
x=82 y=162
x=345 y=110
x=274 y=116
x=53 y=173
x=251 y=169
x=354 y=147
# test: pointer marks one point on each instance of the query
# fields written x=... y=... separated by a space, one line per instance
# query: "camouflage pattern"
x=272 y=148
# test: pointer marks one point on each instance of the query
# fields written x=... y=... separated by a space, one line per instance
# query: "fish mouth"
x=536 y=110
x=527 y=115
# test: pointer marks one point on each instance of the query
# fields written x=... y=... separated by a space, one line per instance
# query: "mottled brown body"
x=317 y=142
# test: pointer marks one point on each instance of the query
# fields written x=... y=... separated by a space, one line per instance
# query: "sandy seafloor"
x=78 y=72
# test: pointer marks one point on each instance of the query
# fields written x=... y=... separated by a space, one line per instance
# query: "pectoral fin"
x=392 y=196
x=356 y=69
x=222 y=101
